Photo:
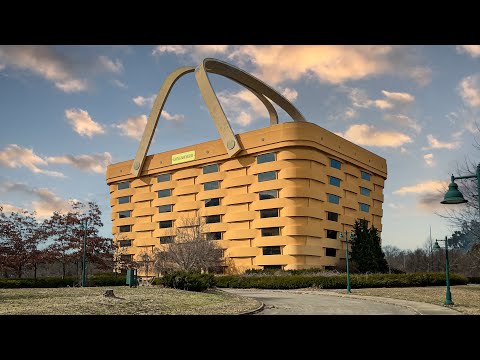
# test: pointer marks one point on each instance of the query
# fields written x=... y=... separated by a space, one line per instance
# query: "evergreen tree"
x=367 y=252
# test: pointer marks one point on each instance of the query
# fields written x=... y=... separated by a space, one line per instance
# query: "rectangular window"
x=210 y=168
x=166 y=224
x=365 y=176
x=165 y=208
x=164 y=177
x=272 y=267
x=364 y=207
x=266 y=176
x=271 y=250
x=365 y=191
x=268 y=213
x=211 y=185
x=124 y=214
x=126 y=258
x=212 y=202
x=332 y=216
x=124 y=199
x=268 y=194
x=265 y=158
x=330 y=252
x=334 y=181
x=123 y=185
x=334 y=199
x=273 y=231
x=166 y=239
x=332 y=234
x=217 y=235
x=125 y=243
x=125 y=228
x=164 y=193
x=212 y=219
x=335 y=164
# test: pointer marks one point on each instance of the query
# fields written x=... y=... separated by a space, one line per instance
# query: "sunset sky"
x=66 y=112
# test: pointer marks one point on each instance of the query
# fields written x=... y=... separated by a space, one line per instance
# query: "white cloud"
x=9 y=208
x=383 y=104
x=175 y=49
x=290 y=94
x=96 y=163
x=72 y=85
x=469 y=89
x=82 y=123
x=133 y=127
x=423 y=187
x=174 y=117
x=421 y=74
x=404 y=120
x=436 y=144
x=243 y=119
x=144 y=101
x=399 y=96
x=350 y=113
x=242 y=107
x=363 y=134
x=196 y=52
x=472 y=50
x=360 y=99
x=14 y=156
x=429 y=159
x=119 y=84
x=2 y=67
x=110 y=65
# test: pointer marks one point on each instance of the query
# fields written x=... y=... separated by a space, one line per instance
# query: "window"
x=363 y=222
x=125 y=228
x=365 y=176
x=211 y=185
x=365 y=191
x=212 y=202
x=125 y=243
x=272 y=250
x=126 y=258
x=212 y=219
x=329 y=267
x=164 y=177
x=265 y=158
x=165 y=208
x=166 y=239
x=214 y=235
x=268 y=194
x=266 y=176
x=274 y=231
x=124 y=199
x=332 y=216
x=334 y=199
x=124 y=214
x=166 y=224
x=364 y=207
x=123 y=185
x=330 y=252
x=272 y=267
x=332 y=234
x=334 y=181
x=268 y=213
x=164 y=193
x=210 y=169
x=335 y=164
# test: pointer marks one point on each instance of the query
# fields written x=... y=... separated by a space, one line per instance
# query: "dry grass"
x=466 y=298
x=128 y=301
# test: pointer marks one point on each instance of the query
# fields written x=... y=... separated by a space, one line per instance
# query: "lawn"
x=128 y=301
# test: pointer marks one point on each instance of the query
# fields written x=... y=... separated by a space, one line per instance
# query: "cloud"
x=82 y=123
x=350 y=113
x=174 y=117
x=44 y=61
x=14 y=156
x=133 y=127
x=110 y=65
x=290 y=94
x=469 y=90
x=175 y=49
x=400 y=97
x=363 y=134
x=9 y=208
x=196 y=52
x=436 y=144
x=360 y=99
x=465 y=117
x=472 y=50
x=144 y=101
x=383 y=104
x=243 y=119
x=96 y=163
x=2 y=67
x=119 y=84
x=429 y=159
x=404 y=120
x=423 y=187
x=421 y=74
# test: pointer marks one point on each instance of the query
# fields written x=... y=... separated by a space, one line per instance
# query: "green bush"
x=187 y=281
x=57 y=282
x=474 y=279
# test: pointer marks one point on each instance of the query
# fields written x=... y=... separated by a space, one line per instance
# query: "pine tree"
x=367 y=252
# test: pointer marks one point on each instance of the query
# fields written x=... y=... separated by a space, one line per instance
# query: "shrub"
x=474 y=279
x=107 y=279
x=187 y=281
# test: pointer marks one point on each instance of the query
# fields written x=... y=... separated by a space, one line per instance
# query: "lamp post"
x=448 y=294
x=346 y=257
x=84 y=260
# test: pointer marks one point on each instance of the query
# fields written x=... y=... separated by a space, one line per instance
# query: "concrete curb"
x=250 y=312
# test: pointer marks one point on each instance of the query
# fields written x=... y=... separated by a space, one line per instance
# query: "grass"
x=128 y=301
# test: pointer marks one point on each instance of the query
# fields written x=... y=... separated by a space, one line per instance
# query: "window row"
x=338 y=165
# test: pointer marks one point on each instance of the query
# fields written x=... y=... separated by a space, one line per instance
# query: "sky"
x=66 y=112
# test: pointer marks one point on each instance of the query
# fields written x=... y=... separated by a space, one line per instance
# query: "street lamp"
x=346 y=257
x=84 y=260
x=448 y=295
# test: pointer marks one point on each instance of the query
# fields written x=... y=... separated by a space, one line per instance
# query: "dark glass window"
x=272 y=267
x=365 y=176
x=125 y=228
x=265 y=158
x=332 y=234
x=164 y=193
x=268 y=194
x=125 y=243
x=335 y=164
x=123 y=185
x=334 y=199
x=211 y=185
x=165 y=208
x=166 y=239
x=266 y=176
x=365 y=191
x=212 y=202
x=268 y=213
x=364 y=207
x=273 y=231
x=217 y=235
x=124 y=199
x=210 y=168
x=164 y=177
x=126 y=258
x=212 y=219
x=330 y=252
x=334 y=181
x=124 y=214
x=332 y=216
x=272 y=250
x=166 y=224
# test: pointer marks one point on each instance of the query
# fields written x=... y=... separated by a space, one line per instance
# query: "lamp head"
x=436 y=246
x=341 y=236
x=453 y=195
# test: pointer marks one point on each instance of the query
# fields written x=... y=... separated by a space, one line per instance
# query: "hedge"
x=57 y=282
x=186 y=281
x=474 y=279
x=357 y=281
